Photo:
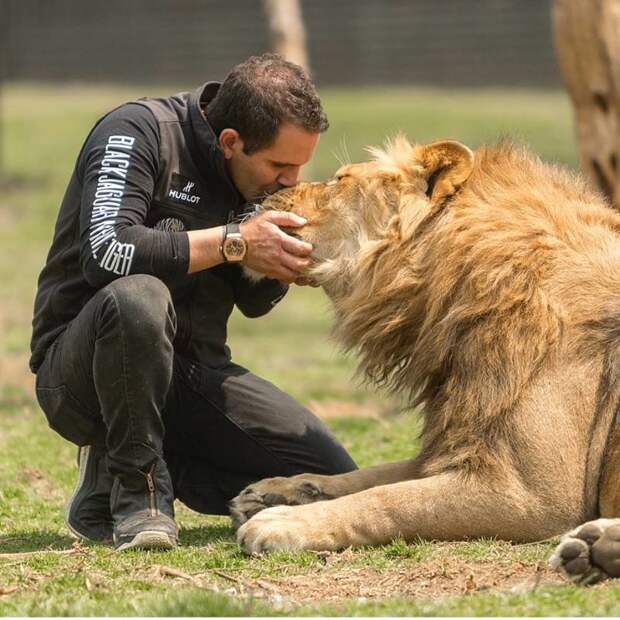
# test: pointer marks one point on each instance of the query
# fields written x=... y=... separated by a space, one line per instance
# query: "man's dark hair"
x=260 y=94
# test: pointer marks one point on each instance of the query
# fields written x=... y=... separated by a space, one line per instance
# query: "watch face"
x=234 y=249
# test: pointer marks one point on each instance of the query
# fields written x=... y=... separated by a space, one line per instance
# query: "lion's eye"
x=337 y=178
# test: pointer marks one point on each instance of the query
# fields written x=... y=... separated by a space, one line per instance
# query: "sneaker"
x=144 y=530
x=144 y=513
x=87 y=513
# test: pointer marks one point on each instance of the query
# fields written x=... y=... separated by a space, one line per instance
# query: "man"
x=129 y=329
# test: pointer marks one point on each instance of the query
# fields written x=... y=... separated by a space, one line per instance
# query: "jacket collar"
x=205 y=148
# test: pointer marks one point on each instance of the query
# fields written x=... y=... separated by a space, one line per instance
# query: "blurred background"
x=349 y=42
x=472 y=71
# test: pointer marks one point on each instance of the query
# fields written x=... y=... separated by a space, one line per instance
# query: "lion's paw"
x=275 y=529
x=270 y=492
x=590 y=553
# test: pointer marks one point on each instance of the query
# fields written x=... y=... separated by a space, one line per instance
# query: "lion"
x=484 y=286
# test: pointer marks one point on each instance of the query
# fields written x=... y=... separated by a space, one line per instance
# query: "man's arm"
x=270 y=250
x=118 y=167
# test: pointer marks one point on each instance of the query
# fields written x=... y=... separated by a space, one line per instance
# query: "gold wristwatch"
x=233 y=246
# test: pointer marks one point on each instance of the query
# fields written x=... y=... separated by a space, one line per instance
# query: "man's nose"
x=289 y=177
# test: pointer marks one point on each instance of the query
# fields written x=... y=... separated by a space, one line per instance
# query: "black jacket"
x=148 y=171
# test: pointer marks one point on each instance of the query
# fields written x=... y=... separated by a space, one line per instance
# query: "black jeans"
x=113 y=379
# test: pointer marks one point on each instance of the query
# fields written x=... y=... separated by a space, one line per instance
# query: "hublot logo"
x=183 y=191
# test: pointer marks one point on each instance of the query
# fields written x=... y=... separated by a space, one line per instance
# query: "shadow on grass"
x=44 y=540
x=206 y=534
x=35 y=540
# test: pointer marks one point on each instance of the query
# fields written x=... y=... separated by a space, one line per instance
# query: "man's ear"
x=230 y=141
x=446 y=164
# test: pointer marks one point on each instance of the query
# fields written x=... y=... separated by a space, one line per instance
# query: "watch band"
x=231 y=228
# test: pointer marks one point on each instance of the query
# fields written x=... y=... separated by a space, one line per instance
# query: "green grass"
x=44 y=129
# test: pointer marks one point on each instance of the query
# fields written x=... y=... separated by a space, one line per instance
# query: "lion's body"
x=494 y=302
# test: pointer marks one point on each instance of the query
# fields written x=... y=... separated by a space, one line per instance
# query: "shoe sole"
x=149 y=540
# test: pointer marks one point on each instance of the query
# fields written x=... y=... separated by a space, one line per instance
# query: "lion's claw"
x=245 y=506
x=590 y=553
x=273 y=492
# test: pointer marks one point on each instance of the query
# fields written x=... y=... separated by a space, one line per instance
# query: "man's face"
x=272 y=168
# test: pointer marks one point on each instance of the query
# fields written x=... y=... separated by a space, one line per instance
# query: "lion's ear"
x=447 y=165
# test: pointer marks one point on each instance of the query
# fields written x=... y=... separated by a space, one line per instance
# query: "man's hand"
x=270 y=250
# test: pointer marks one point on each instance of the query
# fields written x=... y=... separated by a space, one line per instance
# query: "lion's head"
x=458 y=277
x=366 y=204
x=429 y=252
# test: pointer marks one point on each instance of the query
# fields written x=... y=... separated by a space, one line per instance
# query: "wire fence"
x=351 y=42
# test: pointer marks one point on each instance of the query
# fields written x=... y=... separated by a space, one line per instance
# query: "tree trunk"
x=587 y=42
x=288 y=35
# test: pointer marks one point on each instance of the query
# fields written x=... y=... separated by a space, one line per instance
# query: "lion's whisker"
x=346 y=149
x=338 y=158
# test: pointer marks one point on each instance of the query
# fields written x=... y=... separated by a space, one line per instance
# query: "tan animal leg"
x=448 y=506
x=591 y=552
x=308 y=488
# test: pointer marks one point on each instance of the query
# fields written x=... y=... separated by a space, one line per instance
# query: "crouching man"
x=130 y=319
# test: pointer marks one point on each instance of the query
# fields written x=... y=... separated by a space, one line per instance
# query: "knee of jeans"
x=143 y=302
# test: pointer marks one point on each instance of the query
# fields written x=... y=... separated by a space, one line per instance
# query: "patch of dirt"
x=40 y=483
x=20 y=182
x=347 y=409
x=8 y=217
x=14 y=373
x=431 y=579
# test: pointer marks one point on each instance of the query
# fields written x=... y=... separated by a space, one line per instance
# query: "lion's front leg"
x=443 y=507
x=348 y=521
x=309 y=488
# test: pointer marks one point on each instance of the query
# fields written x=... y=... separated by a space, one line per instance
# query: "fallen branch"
x=174 y=572
x=225 y=576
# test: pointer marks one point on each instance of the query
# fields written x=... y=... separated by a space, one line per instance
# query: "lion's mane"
x=461 y=308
